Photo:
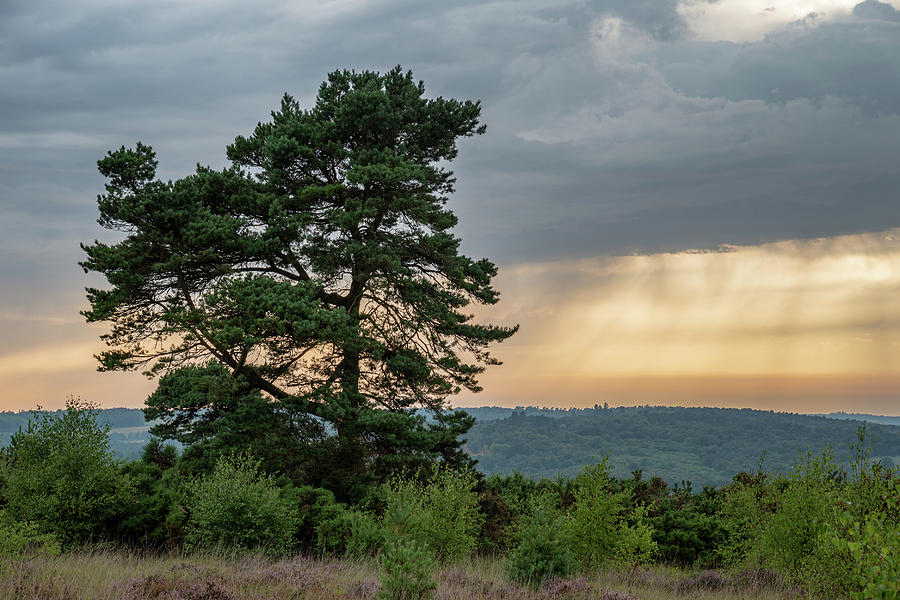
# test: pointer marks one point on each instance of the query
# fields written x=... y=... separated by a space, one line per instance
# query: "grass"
x=120 y=575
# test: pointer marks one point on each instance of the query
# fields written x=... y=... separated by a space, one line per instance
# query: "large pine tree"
x=311 y=296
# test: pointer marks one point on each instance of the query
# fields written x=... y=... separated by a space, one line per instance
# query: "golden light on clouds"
x=751 y=20
x=807 y=326
x=736 y=325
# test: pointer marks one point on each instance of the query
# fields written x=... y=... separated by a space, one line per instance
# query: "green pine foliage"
x=407 y=571
x=306 y=303
x=543 y=546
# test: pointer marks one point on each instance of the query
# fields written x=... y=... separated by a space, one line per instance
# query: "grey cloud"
x=850 y=59
x=595 y=143
x=873 y=9
x=659 y=18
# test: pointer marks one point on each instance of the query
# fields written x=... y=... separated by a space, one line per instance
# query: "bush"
x=447 y=518
x=406 y=571
x=314 y=506
x=871 y=548
x=63 y=479
x=635 y=544
x=237 y=507
x=158 y=516
x=19 y=539
x=594 y=518
x=689 y=529
x=543 y=547
x=350 y=532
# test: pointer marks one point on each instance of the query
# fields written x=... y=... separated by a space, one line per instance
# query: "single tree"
x=318 y=272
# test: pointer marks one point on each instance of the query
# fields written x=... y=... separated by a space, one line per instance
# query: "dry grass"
x=109 y=575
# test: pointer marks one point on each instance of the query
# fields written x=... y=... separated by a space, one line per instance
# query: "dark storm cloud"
x=611 y=128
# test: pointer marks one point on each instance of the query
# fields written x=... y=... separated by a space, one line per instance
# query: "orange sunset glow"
x=799 y=326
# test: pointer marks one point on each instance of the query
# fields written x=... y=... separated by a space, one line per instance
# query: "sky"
x=690 y=201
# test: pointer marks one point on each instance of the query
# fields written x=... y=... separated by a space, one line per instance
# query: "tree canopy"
x=318 y=273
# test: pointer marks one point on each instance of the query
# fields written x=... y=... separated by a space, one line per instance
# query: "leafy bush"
x=158 y=516
x=594 y=518
x=62 y=476
x=544 y=544
x=872 y=550
x=446 y=507
x=793 y=535
x=21 y=538
x=237 y=507
x=689 y=528
x=350 y=532
x=599 y=521
x=635 y=544
x=745 y=510
x=497 y=524
x=314 y=506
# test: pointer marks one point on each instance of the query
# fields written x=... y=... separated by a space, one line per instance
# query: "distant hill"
x=706 y=446
x=702 y=445
x=863 y=417
x=128 y=431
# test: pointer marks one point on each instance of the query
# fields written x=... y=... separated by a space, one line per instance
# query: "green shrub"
x=19 y=539
x=871 y=549
x=543 y=544
x=158 y=515
x=313 y=506
x=446 y=507
x=407 y=569
x=745 y=510
x=236 y=507
x=595 y=516
x=62 y=477
x=803 y=499
x=688 y=528
x=350 y=532
x=635 y=544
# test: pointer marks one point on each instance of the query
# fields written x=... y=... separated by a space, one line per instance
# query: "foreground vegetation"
x=120 y=575
x=826 y=529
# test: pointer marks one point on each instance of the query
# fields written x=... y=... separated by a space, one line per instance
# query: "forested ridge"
x=705 y=446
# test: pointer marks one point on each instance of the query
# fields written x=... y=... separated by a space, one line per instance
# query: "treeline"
x=706 y=446
x=830 y=526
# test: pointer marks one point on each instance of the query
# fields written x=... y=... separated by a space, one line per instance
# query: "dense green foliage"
x=407 y=571
x=19 y=539
x=236 y=507
x=61 y=476
x=304 y=302
x=445 y=506
x=543 y=547
x=706 y=446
